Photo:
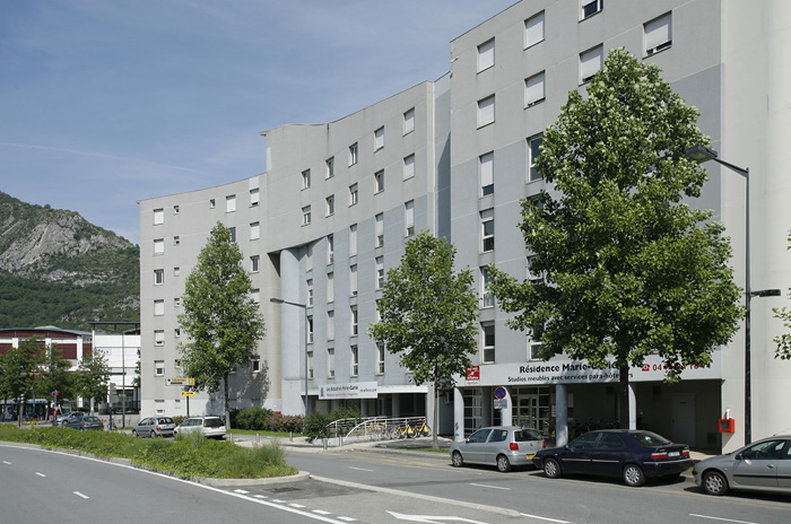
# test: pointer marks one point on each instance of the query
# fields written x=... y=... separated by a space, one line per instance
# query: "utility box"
x=727 y=425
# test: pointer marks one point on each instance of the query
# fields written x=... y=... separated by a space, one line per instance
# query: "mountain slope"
x=57 y=268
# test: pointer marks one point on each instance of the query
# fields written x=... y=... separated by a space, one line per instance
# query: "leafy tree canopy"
x=629 y=268
x=93 y=376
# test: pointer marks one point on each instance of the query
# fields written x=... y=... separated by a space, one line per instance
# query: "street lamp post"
x=305 y=333
x=702 y=153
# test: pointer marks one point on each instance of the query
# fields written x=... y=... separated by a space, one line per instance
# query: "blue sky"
x=103 y=103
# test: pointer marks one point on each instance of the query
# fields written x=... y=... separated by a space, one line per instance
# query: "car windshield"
x=166 y=420
x=91 y=419
x=212 y=423
x=527 y=434
x=649 y=440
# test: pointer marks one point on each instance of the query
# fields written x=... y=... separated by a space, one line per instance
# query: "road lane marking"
x=279 y=501
x=488 y=486
x=41 y=474
x=294 y=505
x=242 y=491
x=360 y=469
x=260 y=496
x=6 y=462
x=545 y=518
x=321 y=512
x=347 y=519
x=82 y=495
x=720 y=519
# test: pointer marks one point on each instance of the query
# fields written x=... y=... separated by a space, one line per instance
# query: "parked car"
x=762 y=466
x=83 y=421
x=65 y=417
x=212 y=427
x=154 y=427
x=633 y=455
x=501 y=446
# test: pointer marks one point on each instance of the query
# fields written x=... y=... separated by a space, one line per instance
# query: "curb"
x=429 y=498
x=223 y=483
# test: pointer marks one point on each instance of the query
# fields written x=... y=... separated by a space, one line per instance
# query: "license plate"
x=530 y=455
x=674 y=454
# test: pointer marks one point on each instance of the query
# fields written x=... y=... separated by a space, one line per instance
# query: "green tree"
x=93 y=376
x=220 y=317
x=54 y=373
x=18 y=367
x=428 y=314
x=783 y=314
x=629 y=268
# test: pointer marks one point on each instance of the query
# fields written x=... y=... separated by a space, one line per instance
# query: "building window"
x=486 y=55
x=535 y=89
x=532 y=350
x=355 y=368
x=306 y=215
x=352 y=240
x=176 y=209
x=330 y=325
x=380 y=358
x=486 y=173
x=486 y=111
x=329 y=205
x=533 y=150
x=379 y=230
x=255 y=294
x=310 y=365
x=330 y=249
x=353 y=280
x=487 y=230
x=330 y=287
x=159 y=246
x=177 y=332
x=159 y=277
x=159 y=216
x=255 y=260
x=487 y=297
x=159 y=368
x=534 y=29
x=380 y=272
x=255 y=364
x=330 y=167
x=177 y=240
x=230 y=203
x=176 y=271
x=309 y=292
x=353 y=154
x=355 y=325
x=589 y=8
x=409 y=121
x=159 y=337
x=378 y=310
x=533 y=276
x=409 y=218
x=306 y=179
x=353 y=194
x=330 y=362
x=658 y=34
x=212 y=203
x=379 y=181
x=310 y=329
x=487 y=336
x=255 y=231
x=379 y=138
x=176 y=302
x=590 y=63
x=409 y=166
x=308 y=257
x=233 y=233
x=159 y=307
x=254 y=197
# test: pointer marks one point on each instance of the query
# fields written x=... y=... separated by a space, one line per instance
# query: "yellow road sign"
x=187 y=393
x=180 y=381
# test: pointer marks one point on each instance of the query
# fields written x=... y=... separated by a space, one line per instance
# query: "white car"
x=211 y=427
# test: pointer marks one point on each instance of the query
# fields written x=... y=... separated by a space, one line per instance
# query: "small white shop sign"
x=351 y=390
x=561 y=370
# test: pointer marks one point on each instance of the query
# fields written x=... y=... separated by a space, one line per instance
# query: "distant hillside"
x=56 y=268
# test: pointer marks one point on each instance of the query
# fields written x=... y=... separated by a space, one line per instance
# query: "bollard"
x=291 y=436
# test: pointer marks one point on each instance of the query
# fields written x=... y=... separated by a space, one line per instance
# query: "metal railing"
x=375 y=428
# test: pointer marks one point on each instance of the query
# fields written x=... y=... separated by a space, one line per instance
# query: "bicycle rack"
x=369 y=428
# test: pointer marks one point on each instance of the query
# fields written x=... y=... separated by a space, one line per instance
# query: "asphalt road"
x=577 y=500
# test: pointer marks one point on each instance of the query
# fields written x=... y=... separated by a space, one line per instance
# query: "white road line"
x=242 y=491
x=6 y=462
x=260 y=496
x=347 y=519
x=82 y=495
x=360 y=469
x=293 y=505
x=545 y=518
x=41 y=474
x=488 y=486
x=279 y=501
x=321 y=512
x=721 y=519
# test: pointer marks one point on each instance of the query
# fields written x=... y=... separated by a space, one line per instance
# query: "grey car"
x=501 y=446
x=154 y=427
x=83 y=422
x=762 y=466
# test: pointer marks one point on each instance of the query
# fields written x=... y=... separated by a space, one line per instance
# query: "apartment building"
x=456 y=156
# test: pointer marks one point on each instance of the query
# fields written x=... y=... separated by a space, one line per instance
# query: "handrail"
x=370 y=428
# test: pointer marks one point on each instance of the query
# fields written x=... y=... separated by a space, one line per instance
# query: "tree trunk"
x=623 y=394
x=225 y=397
x=434 y=441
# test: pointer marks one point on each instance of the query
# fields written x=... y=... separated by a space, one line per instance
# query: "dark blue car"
x=633 y=455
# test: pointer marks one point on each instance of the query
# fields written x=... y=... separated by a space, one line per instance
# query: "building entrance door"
x=473 y=410
x=684 y=418
x=531 y=408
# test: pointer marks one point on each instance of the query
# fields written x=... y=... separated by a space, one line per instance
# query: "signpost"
x=180 y=381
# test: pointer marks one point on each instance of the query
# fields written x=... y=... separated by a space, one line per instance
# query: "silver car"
x=503 y=446
x=211 y=427
x=154 y=427
x=762 y=466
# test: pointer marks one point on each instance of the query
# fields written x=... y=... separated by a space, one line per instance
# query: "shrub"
x=263 y=419
x=316 y=423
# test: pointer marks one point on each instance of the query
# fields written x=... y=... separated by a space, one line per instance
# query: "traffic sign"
x=180 y=381
x=187 y=393
x=499 y=392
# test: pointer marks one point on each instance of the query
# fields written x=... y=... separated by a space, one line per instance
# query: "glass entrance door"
x=473 y=410
x=532 y=408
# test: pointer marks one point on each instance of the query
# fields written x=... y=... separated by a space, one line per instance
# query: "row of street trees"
x=32 y=371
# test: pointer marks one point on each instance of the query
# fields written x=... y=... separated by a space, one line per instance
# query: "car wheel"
x=503 y=464
x=551 y=468
x=134 y=433
x=456 y=459
x=633 y=475
x=715 y=483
